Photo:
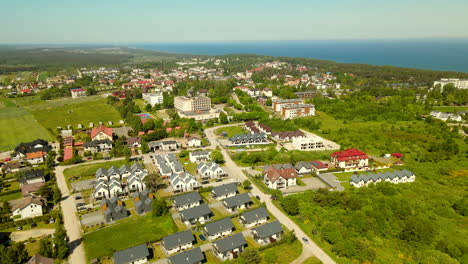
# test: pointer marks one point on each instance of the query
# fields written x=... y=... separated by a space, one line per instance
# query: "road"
x=71 y=221
x=309 y=249
x=33 y=233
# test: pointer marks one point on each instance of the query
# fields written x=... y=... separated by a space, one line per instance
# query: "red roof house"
x=350 y=158
x=101 y=132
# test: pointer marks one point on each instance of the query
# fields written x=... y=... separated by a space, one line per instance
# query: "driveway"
x=311 y=184
x=32 y=233
x=82 y=185
x=332 y=181
x=92 y=219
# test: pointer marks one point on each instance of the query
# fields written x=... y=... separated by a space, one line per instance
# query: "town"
x=197 y=163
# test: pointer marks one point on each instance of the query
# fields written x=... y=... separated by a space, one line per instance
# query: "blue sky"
x=138 y=21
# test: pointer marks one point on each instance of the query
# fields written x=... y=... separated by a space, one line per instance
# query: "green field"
x=127 y=234
x=231 y=131
x=90 y=169
x=283 y=253
x=450 y=108
x=65 y=112
x=18 y=125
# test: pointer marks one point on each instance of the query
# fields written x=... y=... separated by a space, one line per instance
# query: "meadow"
x=18 y=125
x=123 y=235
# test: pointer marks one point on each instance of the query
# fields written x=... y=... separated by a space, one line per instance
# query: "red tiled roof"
x=103 y=129
x=77 y=90
x=68 y=153
x=141 y=133
x=34 y=155
x=349 y=154
x=274 y=174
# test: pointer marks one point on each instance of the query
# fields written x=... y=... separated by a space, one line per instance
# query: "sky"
x=155 y=21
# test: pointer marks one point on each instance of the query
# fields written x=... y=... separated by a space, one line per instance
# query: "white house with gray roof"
x=224 y=191
x=200 y=156
x=196 y=214
x=240 y=201
x=268 y=233
x=254 y=217
x=220 y=228
x=178 y=242
x=183 y=182
x=134 y=255
x=187 y=200
x=192 y=256
x=210 y=171
x=229 y=247
x=394 y=177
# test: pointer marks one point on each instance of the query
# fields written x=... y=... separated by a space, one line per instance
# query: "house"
x=196 y=214
x=167 y=145
x=350 y=158
x=394 y=177
x=210 y=171
x=101 y=132
x=178 y=242
x=10 y=166
x=192 y=256
x=98 y=146
x=194 y=142
x=36 y=157
x=38 y=259
x=220 y=228
x=224 y=191
x=36 y=146
x=310 y=143
x=187 y=200
x=280 y=178
x=78 y=92
x=254 y=217
x=134 y=255
x=183 y=182
x=249 y=139
x=153 y=98
x=32 y=176
x=240 y=201
x=287 y=135
x=134 y=142
x=229 y=247
x=101 y=191
x=199 y=156
x=28 y=207
x=113 y=209
x=135 y=184
x=268 y=233
x=303 y=168
x=143 y=201
x=318 y=165
x=31 y=189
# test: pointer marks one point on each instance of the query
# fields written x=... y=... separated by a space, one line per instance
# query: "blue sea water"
x=444 y=55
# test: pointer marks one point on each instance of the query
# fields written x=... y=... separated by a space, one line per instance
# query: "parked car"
x=33 y=224
x=52 y=220
x=202 y=238
x=46 y=221
x=19 y=228
x=305 y=240
x=107 y=158
x=258 y=198
x=78 y=197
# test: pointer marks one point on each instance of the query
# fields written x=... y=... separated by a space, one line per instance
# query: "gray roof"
x=219 y=226
x=188 y=257
x=269 y=229
x=302 y=164
x=225 y=189
x=230 y=243
x=200 y=153
x=237 y=200
x=187 y=198
x=177 y=239
x=255 y=214
x=195 y=212
x=131 y=254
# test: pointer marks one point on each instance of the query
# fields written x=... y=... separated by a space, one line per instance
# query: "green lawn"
x=127 y=234
x=231 y=131
x=189 y=166
x=312 y=260
x=11 y=196
x=283 y=253
x=65 y=112
x=90 y=169
x=18 y=125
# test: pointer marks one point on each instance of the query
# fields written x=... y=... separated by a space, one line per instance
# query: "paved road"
x=25 y=235
x=310 y=249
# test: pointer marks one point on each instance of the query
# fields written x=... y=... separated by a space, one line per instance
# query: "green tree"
x=246 y=184
x=160 y=207
x=46 y=248
x=152 y=182
x=60 y=241
x=148 y=107
x=290 y=205
x=252 y=256
x=217 y=156
x=223 y=118
x=15 y=254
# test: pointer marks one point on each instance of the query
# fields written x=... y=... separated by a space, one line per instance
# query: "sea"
x=432 y=54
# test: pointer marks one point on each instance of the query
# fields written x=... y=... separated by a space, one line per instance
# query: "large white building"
x=308 y=143
x=153 y=98
x=297 y=110
x=192 y=104
x=459 y=83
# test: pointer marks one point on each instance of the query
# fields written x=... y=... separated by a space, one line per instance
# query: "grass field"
x=90 y=169
x=127 y=234
x=65 y=112
x=18 y=125
x=450 y=108
x=312 y=260
x=231 y=131
x=283 y=253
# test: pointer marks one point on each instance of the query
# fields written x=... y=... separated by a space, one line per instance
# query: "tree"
x=148 y=107
x=246 y=184
x=60 y=241
x=57 y=196
x=46 y=191
x=223 y=118
x=217 y=156
x=152 y=182
x=91 y=91
x=16 y=254
x=46 y=248
x=268 y=102
x=290 y=205
x=252 y=256
x=160 y=207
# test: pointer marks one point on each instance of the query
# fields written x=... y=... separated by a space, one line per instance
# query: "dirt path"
x=33 y=233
